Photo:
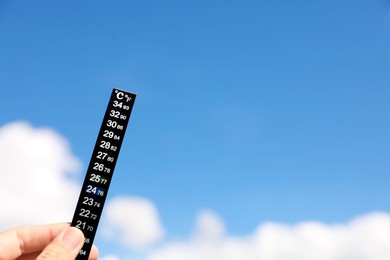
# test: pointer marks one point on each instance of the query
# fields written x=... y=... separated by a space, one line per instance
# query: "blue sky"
x=257 y=110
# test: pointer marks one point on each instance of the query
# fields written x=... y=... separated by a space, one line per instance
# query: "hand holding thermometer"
x=101 y=167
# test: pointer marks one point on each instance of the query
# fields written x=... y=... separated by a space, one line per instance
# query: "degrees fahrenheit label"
x=101 y=167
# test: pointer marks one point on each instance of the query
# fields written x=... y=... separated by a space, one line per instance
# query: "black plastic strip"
x=101 y=167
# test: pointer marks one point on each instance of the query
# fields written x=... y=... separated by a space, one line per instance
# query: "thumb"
x=65 y=246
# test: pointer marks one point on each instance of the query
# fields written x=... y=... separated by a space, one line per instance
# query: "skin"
x=46 y=242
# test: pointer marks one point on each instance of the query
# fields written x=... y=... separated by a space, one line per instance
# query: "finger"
x=33 y=256
x=65 y=246
x=94 y=253
x=23 y=240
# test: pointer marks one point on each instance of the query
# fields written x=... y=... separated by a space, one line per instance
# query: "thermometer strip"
x=101 y=167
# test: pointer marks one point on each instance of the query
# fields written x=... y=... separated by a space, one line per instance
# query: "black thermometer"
x=101 y=167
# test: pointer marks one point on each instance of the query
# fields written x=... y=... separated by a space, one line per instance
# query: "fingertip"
x=73 y=238
x=65 y=246
x=94 y=253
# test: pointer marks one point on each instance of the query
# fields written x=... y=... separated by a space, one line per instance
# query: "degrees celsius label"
x=101 y=167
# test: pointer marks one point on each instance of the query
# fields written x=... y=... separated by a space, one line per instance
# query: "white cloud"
x=133 y=221
x=109 y=257
x=364 y=238
x=209 y=226
x=34 y=186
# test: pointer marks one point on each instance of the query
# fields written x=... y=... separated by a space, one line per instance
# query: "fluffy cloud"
x=133 y=221
x=364 y=238
x=35 y=188
x=109 y=257
x=34 y=185
x=209 y=226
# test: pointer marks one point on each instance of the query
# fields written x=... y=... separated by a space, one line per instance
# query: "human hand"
x=50 y=242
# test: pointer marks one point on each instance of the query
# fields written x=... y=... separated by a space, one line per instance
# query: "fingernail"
x=72 y=238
